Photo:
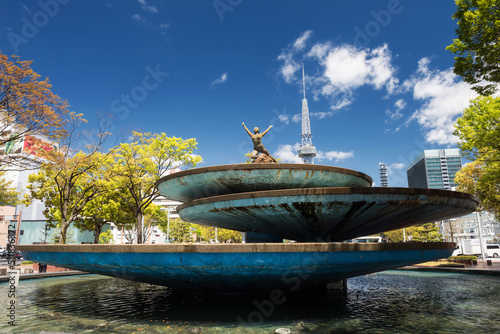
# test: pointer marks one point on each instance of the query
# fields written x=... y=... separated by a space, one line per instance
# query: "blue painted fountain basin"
x=230 y=179
x=327 y=214
x=237 y=268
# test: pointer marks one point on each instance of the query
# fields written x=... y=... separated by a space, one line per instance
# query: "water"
x=388 y=302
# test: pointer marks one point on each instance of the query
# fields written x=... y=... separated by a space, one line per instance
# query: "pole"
x=18 y=227
x=216 y=241
x=404 y=235
x=121 y=239
x=149 y=232
x=480 y=237
x=168 y=226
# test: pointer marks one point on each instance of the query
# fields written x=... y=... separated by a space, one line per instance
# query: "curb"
x=5 y=278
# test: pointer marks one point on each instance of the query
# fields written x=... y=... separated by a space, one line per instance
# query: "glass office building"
x=435 y=169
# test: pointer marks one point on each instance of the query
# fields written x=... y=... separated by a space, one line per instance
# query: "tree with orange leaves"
x=27 y=107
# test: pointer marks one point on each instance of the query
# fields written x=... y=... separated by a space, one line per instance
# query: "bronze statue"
x=258 y=147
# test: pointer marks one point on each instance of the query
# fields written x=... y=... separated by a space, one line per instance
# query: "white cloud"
x=347 y=67
x=400 y=104
x=300 y=43
x=334 y=155
x=297 y=118
x=139 y=19
x=444 y=98
x=147 y=7
x=343 y=69
x=288 y=70
x=289 y=153
x=290 y=65
x=321 y=114
x=221 y=79
x=397 y=165
x=284 y=118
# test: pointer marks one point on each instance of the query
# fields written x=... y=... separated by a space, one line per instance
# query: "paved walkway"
x=482 y=267
x=5 y=278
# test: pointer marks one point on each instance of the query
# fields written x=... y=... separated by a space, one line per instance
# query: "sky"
x=379 y=83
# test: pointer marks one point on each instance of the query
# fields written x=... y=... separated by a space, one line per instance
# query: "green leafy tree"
x=427 y=232
x=105 y=237
x=66 y=185
x=398 y=235
x=479 y=133
x=477 y=45
x=223 y=235
x=103 y=209
x=8 y=195
x=143 y=161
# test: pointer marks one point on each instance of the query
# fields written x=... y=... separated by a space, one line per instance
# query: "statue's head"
x=256 y=130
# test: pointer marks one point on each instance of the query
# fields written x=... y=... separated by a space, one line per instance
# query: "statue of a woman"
x=258 y=147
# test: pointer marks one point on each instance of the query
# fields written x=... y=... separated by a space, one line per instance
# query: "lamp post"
x=480 y=236
x=168 y=226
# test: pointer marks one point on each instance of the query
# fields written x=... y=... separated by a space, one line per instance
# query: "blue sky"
x=379 y=81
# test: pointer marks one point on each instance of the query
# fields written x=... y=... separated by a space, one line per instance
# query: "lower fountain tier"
x=327 y=214
x=237 y=268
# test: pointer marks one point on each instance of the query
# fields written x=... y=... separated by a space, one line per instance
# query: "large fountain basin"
x=238 y=268
x=230 y=179
x=327 y=214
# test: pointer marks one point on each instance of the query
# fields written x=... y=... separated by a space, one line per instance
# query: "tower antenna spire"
x=307 y=151
x=303 y=82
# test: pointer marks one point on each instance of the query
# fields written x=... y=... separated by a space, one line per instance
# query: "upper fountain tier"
x=204 y=182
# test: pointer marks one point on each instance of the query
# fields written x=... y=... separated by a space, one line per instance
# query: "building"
x=435 y=169
x=467 y=227
x=384 y=183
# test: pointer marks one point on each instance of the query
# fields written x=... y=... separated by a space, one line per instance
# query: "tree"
x=397 y=235
x=427 y=232
x=140 y=163
x=8 y=195
x=478 y=44
x=208 y=233
x=177 y=230
x=66 y=185
x=27 y=106
x=479 y=133
x=102 y=209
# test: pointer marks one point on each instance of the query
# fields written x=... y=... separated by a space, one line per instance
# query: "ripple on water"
x=389 y=302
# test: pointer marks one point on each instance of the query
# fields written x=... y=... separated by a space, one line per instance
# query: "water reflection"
x=394 y=302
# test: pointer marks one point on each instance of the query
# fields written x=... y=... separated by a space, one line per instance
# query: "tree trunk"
x=97 y=230
x=139 y=227
x=64 y=230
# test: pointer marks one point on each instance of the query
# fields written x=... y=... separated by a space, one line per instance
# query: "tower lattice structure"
x=307 y=151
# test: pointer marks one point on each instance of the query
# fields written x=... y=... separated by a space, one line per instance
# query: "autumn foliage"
x=27 y=104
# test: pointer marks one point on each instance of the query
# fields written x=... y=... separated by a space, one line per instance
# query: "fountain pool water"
x=388 y=302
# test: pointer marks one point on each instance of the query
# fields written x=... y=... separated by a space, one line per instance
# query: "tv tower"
x=306 y=150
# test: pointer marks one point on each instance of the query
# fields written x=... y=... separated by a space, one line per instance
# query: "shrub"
x=463 y=257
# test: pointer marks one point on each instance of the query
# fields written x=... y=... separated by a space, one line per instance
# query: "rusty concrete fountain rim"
x=250 y=167
x=295 y=247
x=333 y=191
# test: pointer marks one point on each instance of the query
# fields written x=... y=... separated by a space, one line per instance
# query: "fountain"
x=315 y=206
